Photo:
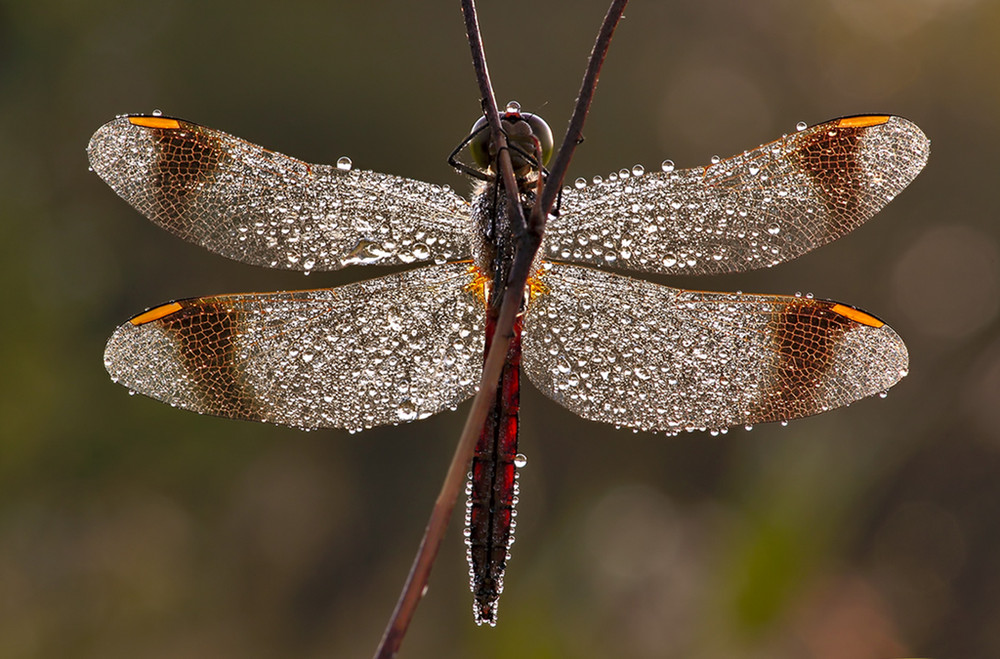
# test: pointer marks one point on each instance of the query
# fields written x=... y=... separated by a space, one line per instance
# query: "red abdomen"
x=492 y=488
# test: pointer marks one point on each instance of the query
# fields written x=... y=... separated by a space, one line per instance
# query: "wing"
x=261 y=207
x=753 y=210
x=388 y=350
x=632 y=353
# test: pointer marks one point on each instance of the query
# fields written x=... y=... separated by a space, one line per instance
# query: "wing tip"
x=121 y=125
x=893 y=363
x=117 y=352
x=104 y=149
x=914 y=141
x=894 y=151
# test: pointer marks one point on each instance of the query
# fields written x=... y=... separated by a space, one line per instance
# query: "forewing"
x=753 y=210
x=637 y=354
x=388 y=350
x=261 y=207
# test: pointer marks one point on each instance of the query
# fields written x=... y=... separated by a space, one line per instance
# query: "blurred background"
x=130 y=529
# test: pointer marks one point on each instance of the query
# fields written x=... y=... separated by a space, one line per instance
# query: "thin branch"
x=528 y=242
x=417 y=579
x=497 y=137
x=574 y=132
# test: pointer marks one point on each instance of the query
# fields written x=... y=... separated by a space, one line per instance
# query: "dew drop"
x=406 y=412
x=801 y=125
x=157 y=112
x=667 y=166
x=421 y=251
x=344 y=164
x=716 y=160
x=580 y=183
x=520 y=460
x=513 y=107
x=638 y=170
x=773 y=229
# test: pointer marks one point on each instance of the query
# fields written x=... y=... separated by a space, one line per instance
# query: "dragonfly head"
x=526 y=134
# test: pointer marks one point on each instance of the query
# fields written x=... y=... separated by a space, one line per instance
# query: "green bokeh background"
x=130 y=529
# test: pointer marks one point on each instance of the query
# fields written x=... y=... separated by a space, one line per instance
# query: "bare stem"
x=528 y=242
x=497 y=137
x=574 y=132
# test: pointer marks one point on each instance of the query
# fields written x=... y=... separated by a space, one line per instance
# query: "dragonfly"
x=607 y=346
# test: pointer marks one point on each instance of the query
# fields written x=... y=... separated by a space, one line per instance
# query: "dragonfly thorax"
x=493 y=242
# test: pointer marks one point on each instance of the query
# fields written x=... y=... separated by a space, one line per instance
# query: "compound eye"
x=543 y=133
x=479 y=146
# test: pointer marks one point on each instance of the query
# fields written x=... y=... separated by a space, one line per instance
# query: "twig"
x=497 y=137
x=416 y=580
x=574 y=132
x=528 y=242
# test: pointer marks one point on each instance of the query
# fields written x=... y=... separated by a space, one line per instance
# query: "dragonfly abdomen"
x=492 y=487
